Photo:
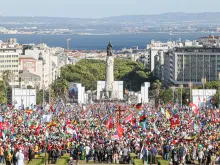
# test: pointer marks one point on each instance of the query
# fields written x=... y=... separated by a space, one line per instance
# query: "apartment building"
x=9 y=55
x=191 y=64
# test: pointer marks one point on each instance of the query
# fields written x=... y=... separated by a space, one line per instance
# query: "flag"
x=167 y=114
x=75 y=135
x=162 y=110
x=194 y=108
x=28 y=111
x=174 y=111
x=120 y=131
x=155 y=128
x=115 y=136
x=67 y=122
x=46 y=137
x=213 y=114
x=51 y=109
x=46 y=118
x=175 y=141
x=109 y=124
x=196 y=127
x=51 y=124
x=69 y=130
x=37 y=130
x=129 y=118
x=143 y=125
x=139 y=106
x=171 y=102
x=174 y=121
x=142 y=118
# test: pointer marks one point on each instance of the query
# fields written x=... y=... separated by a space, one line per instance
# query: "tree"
x=166 y=95
x=60 y=87
x=212 y=85
x=6 y=77
x=3 y=92
x=39 y=96
x=156 y=86
x=89 y=71
x=216 y=100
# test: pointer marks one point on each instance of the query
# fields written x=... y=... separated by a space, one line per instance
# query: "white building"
x=77 y=94
x=118 y=86
x=42 y=61
x=23 y=96
x=202 y=98
x=145 y=92
x=191 y=64
x=9 y=55
x=154 y=48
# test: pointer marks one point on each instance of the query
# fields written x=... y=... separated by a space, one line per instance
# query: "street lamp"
x=190 y=89
x=181 y=87
x=203 y=86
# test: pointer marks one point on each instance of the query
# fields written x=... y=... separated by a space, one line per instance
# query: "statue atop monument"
x=109 y=49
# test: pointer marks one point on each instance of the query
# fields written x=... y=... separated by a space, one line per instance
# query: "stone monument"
x=109 y=76
x=110 y=89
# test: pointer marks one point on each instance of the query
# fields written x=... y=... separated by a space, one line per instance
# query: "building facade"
x=43 y=61
x=154 y=49
x=9 y=61
x=191 y=64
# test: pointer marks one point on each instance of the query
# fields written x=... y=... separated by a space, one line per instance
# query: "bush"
x=36 y=162
x=132 y=157
x=62 y=161
x=157 y=158
x=138 y=162
x=163 y=162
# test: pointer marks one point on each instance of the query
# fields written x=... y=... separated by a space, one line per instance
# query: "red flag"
x=37 y=131
x=129 y=118
x=120 y=131
x=194 y=108
x=139 y=106
x=213 y=114
x=109 y=124
x=67 y=122
x=141 y=118
x=174 y=120
x=174 y=142
x=51 y=109
x=171 y=102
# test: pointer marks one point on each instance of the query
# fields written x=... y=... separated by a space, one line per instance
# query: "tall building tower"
x=109 y=85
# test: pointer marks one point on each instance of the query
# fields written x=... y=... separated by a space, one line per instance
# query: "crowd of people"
x=108 y=132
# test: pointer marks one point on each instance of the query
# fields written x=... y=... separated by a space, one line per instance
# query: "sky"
x=103 y=8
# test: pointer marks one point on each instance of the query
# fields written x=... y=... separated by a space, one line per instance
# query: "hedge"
x=157 y=158
x=138 y=162
x=63 y=160
x=163 y=162
x=132 y=157
x=37 y=161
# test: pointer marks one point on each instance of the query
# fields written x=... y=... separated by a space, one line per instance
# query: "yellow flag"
x=167 y=114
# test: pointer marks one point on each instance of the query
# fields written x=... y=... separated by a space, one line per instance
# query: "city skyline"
x=100 y=8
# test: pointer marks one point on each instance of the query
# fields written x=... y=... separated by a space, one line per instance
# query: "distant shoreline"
x=99 y=42
x=125 y=33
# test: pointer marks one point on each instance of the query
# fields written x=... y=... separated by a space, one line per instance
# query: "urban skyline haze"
x=103 y=8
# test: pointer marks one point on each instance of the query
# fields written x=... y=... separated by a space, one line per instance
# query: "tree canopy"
x=89 y=71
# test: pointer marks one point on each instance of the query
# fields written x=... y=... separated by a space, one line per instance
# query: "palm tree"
x=6 y=77
x=156 y=86
x=3 y=92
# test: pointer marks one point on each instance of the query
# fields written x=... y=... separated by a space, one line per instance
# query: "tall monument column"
x=109 y=85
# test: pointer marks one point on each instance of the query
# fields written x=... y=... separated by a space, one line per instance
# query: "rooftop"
x=196 y=49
